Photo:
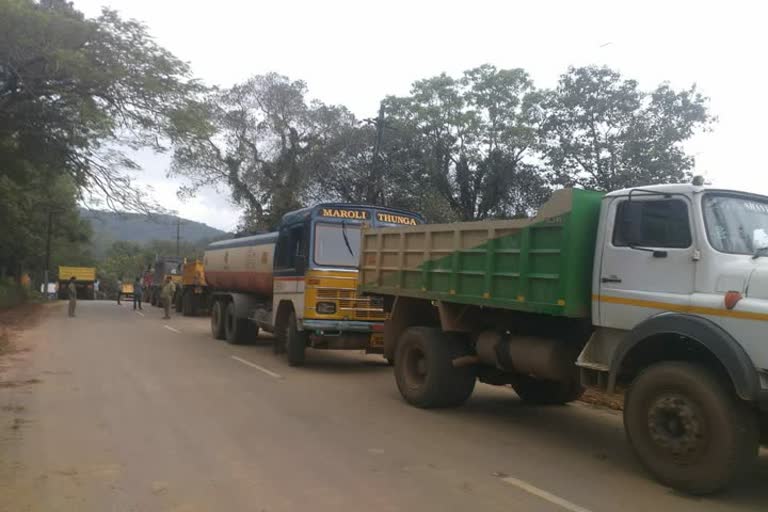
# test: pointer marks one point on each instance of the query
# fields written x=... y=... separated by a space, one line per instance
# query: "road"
x=112 y=411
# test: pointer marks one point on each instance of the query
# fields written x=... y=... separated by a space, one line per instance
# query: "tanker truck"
x=299 y=282
x=659 y=293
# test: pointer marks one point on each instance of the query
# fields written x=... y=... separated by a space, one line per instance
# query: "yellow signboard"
x=390 y=218
x=341 y=213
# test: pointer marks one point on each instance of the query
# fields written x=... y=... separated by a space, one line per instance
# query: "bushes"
x=12 y=293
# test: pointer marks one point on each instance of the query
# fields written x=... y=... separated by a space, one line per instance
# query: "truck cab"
x=300 y=282
x=683 y=258
x=316 y=261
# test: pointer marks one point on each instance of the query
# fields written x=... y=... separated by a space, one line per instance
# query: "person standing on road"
x=119 y=288
x=166 y=295
x=72 y=295
x=138 y=291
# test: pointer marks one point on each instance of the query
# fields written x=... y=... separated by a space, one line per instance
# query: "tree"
x=476 y=137
x=74 y=92
x=602 y=132
x=260 y=138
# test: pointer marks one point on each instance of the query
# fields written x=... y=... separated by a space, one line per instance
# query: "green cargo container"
x=540 y=265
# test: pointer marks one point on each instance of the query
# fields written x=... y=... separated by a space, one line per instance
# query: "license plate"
x=377 y=340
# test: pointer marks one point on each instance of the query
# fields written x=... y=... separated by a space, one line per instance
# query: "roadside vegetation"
x=78 y=94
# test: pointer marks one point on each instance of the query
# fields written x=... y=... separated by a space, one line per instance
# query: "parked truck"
x=85 y=277
x=300 y=281
x=193 y=297
x=658 y=292
x=164 y=266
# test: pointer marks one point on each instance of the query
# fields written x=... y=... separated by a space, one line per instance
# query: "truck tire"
x=546 y=392
x=187 y=304
x=217 y=320
x=688 y=429
x=424 y=368
x=236 y=330
x=295 y=342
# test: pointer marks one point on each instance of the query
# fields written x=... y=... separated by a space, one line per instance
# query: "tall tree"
x=478 y=135
x=262 y=139
x=74 y=92
x=603 y=132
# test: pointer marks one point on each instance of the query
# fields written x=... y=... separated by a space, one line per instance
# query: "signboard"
x=344 y=213
x=391 y=218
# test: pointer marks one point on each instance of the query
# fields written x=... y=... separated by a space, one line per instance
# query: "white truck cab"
x=688 y=252
x=679 y=308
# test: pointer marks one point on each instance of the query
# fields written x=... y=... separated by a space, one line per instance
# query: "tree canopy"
x=75 y=95
x=487 y=144
x=78 y=94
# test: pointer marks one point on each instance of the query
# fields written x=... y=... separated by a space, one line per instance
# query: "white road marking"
x=260 y=368
x=172 y=329
x=541 y=493
x=140 y=313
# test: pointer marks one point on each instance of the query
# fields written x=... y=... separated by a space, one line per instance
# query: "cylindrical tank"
x=241 y=264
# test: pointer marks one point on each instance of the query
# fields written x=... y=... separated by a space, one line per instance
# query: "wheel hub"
x=676 y=427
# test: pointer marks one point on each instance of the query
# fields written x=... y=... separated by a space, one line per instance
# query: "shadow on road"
x=575 y=431
x=325 y=361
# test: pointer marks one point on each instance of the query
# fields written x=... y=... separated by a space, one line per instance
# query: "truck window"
x=652 y=223
x=337 y=245
x=290 y=248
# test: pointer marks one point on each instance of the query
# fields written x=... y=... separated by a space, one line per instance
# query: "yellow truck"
x=193 y=296
x=85 y=277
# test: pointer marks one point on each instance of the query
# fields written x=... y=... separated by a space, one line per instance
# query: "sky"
x=356 y=52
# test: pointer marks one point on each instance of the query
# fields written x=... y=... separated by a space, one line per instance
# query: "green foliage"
x=485 y=145
x=603 y=133
x=12 y=294
x=259 y=139
x=73 y=89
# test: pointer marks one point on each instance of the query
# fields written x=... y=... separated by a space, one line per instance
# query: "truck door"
x=648 y=259
x=289 y=268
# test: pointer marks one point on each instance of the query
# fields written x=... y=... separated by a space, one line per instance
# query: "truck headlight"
x=326 y=308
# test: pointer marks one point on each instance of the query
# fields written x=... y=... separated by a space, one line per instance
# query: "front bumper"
x=341 y=326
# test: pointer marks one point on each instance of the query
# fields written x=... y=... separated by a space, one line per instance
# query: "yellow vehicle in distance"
x=193 y=296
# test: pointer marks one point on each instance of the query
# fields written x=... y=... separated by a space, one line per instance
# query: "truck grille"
x=349 y=303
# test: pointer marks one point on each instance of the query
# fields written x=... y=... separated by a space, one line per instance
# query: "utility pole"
x=178 y=235
x=375 y=190
x=47 y=254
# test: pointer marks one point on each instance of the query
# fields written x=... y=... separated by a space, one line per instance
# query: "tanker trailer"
x=299 y=282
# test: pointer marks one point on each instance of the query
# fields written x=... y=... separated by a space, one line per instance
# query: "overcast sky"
x=356 y=52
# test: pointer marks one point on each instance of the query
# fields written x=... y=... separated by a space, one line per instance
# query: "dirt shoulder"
x=17 y=319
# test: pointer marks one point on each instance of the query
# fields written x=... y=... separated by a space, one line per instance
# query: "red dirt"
x=613 y=401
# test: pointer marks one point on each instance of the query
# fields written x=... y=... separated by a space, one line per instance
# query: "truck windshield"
x=331 y=248
x=736 y=224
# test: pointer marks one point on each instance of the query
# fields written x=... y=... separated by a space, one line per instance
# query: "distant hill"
x=109 y=227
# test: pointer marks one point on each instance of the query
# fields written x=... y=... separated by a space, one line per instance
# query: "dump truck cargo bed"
x=81 y=274
x=540 y=265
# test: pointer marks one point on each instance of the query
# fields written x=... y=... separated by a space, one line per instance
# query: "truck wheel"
x=217 y=320
x=546 y=392
x=186 y=304
x=424 y=368
x=295 y=342
x=236 y=330
x=688 y=429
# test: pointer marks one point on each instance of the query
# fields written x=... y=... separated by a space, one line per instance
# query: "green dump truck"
x=660 y=292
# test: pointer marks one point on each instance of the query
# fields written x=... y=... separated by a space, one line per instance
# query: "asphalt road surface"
x=112 y=411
